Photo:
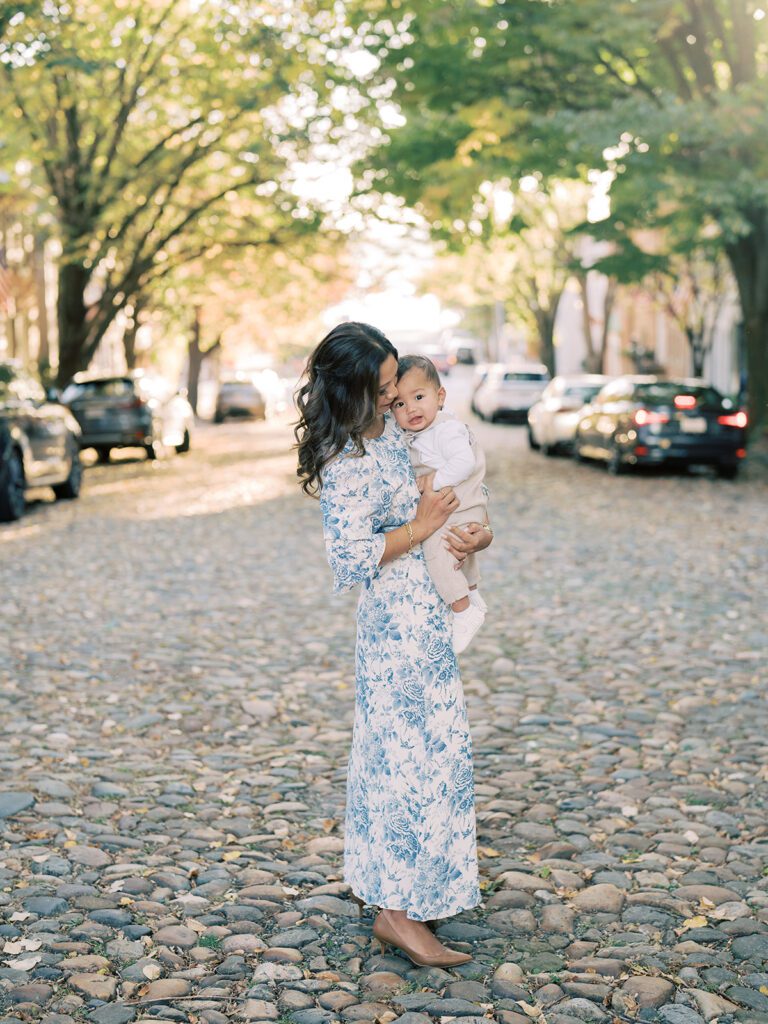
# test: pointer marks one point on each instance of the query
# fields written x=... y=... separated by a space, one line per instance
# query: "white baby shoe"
x=477 y=600
x=465 y=625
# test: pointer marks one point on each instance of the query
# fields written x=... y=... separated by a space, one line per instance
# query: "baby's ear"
x=441 y=397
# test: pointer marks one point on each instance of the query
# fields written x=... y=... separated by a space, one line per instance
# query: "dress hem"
x=427 y=917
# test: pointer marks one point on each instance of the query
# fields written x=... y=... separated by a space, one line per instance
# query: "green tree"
x=666 y=96
x=519 y=248
x=157 y=134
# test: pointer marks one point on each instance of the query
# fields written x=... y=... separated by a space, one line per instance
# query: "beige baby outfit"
x=448 y=446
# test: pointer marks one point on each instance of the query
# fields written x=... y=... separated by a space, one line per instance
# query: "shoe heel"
x=383 y=946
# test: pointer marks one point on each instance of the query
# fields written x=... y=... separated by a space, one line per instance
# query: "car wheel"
x=70 y=488
x=103 y=453
x=533 y=444
x=186 y=444
x=12 y=502
x=615 y=465
x=549 y=450
x=152 y=450
x=494 y=417
x=728 y=470
x=218 y=417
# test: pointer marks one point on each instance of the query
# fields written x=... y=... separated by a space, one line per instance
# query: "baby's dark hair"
x=427 y=367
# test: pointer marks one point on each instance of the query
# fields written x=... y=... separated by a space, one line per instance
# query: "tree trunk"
x=129 y=335
x=591 y=358
x=12 y=332
x=196 y=358
x=195 y=363
x=73 y=328
x=41 y=298
x=749 y=259
x=545 y=320
x=698 y=351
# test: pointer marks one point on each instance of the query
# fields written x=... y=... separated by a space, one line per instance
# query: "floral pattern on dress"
x=410 y=818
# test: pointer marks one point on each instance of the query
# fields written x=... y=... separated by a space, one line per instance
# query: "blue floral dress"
x=410 y=817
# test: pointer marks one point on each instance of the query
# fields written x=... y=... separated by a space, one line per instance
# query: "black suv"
x=39 y=442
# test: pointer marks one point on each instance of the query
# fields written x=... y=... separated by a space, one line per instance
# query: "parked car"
x=239 y=396
x=644 y=420
x=465 y=351
x=507 y=392
x=132 y=410
x=39 y=442
x=552 y=420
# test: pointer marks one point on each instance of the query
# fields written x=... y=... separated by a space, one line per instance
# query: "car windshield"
x=518 y=375
x=85 y=390
x=581 y=391
x=665 y=393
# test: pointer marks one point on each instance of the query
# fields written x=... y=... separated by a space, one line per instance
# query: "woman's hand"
x=467 y=541
x=433 y=509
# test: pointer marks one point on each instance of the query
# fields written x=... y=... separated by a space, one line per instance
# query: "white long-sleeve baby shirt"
x=444 y=446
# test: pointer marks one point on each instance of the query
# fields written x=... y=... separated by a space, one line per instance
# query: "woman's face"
x=387 y=385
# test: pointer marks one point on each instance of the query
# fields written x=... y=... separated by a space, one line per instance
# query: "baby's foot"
x=477 y=600
x=465 y=625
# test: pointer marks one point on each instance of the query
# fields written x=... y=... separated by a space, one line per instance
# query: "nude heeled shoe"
x=388 y=937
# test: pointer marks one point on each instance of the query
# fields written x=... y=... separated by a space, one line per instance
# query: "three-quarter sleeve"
x=350 y=500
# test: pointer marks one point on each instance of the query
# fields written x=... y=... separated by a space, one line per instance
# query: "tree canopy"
x=668 y=98
x=159 y=132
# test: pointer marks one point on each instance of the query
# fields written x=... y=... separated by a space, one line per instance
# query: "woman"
x=410 y=817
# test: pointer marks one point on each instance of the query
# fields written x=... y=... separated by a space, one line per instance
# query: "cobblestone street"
x=176 y=700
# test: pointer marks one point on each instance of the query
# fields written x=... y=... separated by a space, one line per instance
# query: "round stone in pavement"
x=176 y=935
x=649 y=991
x=751 y=947
x=12 y=802
x=45 y=906
x=677 y=1014
x=113 y=1013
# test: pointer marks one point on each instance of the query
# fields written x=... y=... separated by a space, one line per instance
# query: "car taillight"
x=733 y=419
x=135 y=403
x=645 y=416
x=685 y=401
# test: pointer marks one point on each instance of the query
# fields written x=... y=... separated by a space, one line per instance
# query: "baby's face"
x=417 y=402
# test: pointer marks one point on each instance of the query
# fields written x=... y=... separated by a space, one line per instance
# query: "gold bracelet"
x=409 y=530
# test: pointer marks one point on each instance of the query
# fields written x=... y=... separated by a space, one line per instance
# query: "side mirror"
x=52 y=395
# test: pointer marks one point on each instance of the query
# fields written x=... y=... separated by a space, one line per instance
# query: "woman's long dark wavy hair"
x=338 y=400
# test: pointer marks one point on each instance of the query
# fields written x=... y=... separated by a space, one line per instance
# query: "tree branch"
x=49 y=168
x=639 y=80
x=142 y=74
x=683 y=85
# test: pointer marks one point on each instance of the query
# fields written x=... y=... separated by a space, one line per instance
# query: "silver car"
x=552 y=420
x=240 y=397
x=507 y=392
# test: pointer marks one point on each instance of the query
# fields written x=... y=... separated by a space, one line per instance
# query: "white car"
x=507 y=392
x=552 y=420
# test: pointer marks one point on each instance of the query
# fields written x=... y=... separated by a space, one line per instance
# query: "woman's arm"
x=431 y=514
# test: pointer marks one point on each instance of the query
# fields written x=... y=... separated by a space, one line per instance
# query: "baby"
x=438 y=441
